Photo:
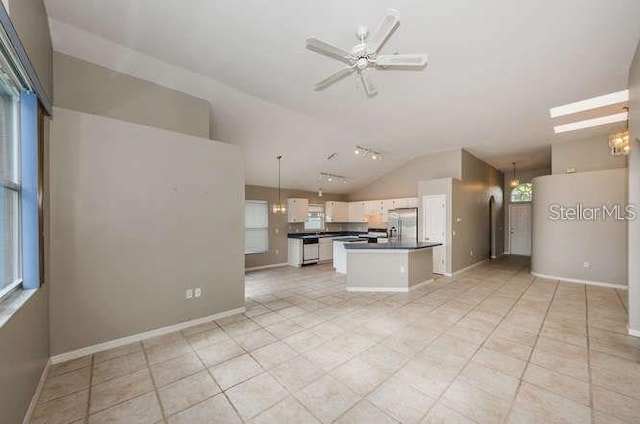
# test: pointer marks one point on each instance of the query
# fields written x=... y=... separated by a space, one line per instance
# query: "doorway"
x=520 y=229
x=435 y=229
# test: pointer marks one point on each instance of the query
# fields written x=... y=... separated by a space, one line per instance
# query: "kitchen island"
x=389 y=267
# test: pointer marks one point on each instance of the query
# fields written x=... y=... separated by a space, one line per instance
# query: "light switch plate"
x=188 y=294
x=197 y=292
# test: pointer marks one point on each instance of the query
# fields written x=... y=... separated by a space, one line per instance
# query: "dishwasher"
x=310 y=251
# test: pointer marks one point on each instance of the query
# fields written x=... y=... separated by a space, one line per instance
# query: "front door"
x=520 y=229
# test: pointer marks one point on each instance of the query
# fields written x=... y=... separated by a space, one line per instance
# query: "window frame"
x=530 y=187
x=265 y=229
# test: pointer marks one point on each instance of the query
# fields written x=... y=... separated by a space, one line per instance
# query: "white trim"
x=579 y=281
x=36 y=395
x=89 y=350
x=465 y=269
x=257 y=268
x=632 y=332
x=389 y=289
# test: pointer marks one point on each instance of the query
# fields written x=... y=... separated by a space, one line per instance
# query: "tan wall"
x=560 y=248
x=24 y=339
x=278 y=227
x=29 y=17
x=89 y=88
x=138 y=215
x=591 y=154
x=403 y=181
x=634 y=193
x=524 y=177
x=471 y=195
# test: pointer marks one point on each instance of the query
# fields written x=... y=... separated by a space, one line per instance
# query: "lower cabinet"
x=294 y=255
x=326 y=249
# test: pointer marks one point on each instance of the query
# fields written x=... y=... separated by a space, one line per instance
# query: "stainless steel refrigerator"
x=402 y=225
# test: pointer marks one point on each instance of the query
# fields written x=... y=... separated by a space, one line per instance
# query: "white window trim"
x=265 y=229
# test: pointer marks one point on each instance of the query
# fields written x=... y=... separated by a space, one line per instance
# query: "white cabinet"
x=326 y=248
x=294 y=255
x=336 y=211
x=297 y=210
x=372 y=207
x=386 y=206
x=408 y=202
x=357 y=212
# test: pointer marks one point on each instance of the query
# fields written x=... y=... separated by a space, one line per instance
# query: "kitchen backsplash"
x=298 y=227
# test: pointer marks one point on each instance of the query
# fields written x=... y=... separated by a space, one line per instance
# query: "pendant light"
x=619 y=142
x=514 y=181
x=279 y=207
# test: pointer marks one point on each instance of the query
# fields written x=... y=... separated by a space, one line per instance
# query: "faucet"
x=393 y=232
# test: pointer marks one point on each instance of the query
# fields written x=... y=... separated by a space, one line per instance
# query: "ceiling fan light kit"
x=364 y=56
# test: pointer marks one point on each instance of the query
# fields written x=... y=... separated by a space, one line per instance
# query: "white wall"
x=634 y=194
x=560 y=248
x=139 y=214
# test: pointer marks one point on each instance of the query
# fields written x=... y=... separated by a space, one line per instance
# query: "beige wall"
x=634 y=194
x=138 y=215
x=524 y=177
x=403 y=181
x=590 y=154
x=470 y=213
x=278 y=226
x=85 y=87
x=560 y=248
x=24 y=339
x=29 y=17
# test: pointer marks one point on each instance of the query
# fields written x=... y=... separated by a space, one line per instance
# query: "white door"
x=520 y=229
x=435 y=228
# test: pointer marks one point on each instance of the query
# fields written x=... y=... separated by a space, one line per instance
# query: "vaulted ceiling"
x=495 y=68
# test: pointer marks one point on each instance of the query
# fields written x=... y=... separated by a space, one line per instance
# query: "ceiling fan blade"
x=414 y=60
x=347 y=70
x=328 y=49
x=386 y=27
x=367 y=83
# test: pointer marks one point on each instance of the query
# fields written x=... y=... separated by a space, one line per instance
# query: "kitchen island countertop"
x=392 y=245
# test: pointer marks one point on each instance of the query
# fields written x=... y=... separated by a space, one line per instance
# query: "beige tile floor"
x=491 y=345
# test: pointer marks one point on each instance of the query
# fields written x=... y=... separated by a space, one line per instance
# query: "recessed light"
x=604 y=120
x=588 y=104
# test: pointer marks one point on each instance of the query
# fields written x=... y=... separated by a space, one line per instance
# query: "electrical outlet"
x=471 y=253
x=197 y=292
x=188 y=294
x=402 y=270
x=277 y=251
x=586 y=264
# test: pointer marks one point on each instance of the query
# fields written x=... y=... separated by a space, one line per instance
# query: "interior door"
x=520 y=229
x=435 y=229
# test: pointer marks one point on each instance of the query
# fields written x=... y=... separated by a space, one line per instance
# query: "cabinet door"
x=371 y=207
x=297 y=210
x=326 y=251
x=356 y=212
x=412 y=202
x=328 y=211
x=387 y=205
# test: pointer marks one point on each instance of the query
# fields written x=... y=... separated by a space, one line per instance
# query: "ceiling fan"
x=364 y=55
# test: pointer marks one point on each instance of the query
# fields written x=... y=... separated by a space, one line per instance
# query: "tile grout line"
x=528 y=361
x=153 y=383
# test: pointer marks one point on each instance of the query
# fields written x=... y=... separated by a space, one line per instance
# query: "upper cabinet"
x=357 y=212
x=297 y=210
x=336 y=211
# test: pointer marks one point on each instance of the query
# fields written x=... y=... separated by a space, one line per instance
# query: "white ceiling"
x=495 y=68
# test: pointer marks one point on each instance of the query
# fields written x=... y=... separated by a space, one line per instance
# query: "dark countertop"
x=392 y=246
x=351 y=239
x=323 y=234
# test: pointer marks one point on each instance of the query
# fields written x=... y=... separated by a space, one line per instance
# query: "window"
x=10 y=189
x=315 y=218
x=256 y=226
x=522 y=193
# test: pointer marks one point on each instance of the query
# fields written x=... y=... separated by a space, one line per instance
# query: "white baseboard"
x=465 y=269
x=36 y=394
x=89 y=350
x=632 y=332
x=257 y=268
x=389 y=289
x=578 y=281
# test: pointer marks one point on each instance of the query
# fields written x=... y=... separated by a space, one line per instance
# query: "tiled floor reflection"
x=491 y=345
